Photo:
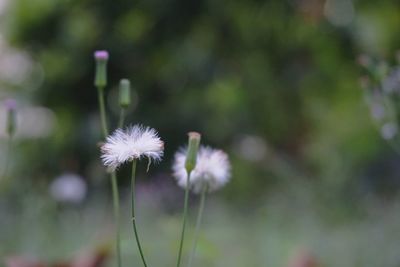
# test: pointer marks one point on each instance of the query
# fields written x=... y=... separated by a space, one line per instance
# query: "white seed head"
x=134 y=142
x=212 y=170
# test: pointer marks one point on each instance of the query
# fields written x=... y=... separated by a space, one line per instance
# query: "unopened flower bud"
x=124 y=93
x=101 y=58
x=11 y=106
x=193 y=147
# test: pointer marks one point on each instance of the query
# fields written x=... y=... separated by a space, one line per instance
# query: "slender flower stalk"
x=102 y=107
x=190 y=164
x=115 y=196
x=135 y=231
x=121 y=118
x=198 y=223
x=134 y=143
x=184 y=218
x=211 y=172
x=100 y=82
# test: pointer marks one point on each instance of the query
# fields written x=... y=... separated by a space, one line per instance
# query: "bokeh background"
x=274 y=83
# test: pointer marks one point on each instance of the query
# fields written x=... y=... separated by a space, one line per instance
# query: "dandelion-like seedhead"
x=212 y=169
x=134 y=142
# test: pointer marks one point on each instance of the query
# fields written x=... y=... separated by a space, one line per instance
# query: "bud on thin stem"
x=101 y=58
x=193 y=147
x=124 y=93
x=11 y=116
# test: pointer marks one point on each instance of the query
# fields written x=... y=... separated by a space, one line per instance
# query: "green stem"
x=198 y=223
x=115 y=195
x=114 y=184
x=184 y=217
x=133 y=212
x=102 y=107
x=121 y=118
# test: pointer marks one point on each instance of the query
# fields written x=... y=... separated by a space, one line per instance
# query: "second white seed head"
x=212 y=170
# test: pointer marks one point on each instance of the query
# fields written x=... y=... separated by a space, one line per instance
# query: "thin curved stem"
x=198 y=223
x=121 y=118
x=184 y=217
x=102 y=107
x=114 y=185
x=115 y=195
x=133 y=212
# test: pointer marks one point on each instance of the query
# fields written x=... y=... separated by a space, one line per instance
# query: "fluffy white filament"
x=212 y=169
x=134 y=142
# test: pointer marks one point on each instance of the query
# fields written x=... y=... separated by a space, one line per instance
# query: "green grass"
x=267 y=233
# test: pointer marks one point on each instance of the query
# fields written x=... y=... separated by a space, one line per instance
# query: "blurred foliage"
x=274 y=83
x=277 y=77
x=287 y=224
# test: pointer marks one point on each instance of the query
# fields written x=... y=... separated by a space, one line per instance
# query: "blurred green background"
x=274 y=83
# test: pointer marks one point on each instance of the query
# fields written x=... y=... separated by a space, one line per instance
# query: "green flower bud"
x=193 y=147
x=124 y=93
x=101 y=58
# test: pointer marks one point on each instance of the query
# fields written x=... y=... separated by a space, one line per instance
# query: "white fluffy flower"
x=212 y=169
x=134 y=142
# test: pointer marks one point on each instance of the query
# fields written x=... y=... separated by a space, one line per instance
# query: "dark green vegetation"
x=274 y=83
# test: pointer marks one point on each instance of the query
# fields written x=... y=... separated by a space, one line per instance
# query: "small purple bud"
x=101 y=58
x=101 y=55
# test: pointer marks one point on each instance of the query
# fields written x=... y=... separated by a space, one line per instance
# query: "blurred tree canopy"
x=277 y=76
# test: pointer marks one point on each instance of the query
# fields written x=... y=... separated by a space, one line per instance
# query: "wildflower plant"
x=211 y=172
x=197 y=169
x=100 y=82
x=131 y=145
x=381 y=85
x=189 y=166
